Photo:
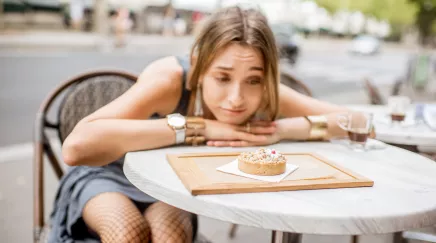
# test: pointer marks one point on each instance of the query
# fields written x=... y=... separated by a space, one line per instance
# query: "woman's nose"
x=236 y=98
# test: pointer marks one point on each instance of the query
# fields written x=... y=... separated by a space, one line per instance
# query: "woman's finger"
x=263 y=123
x=240 y=144
x=256 y=129
x=229 y=143
x=254 y=138
x=263 y=130
x=219 y=143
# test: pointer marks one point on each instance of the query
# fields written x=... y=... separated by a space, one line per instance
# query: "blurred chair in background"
x=375 y=97
x=419 y=81
x=289 y=80
x=396 y=88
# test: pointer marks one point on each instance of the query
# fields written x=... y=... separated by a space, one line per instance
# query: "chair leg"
x=398 y=238
x=285 y=237
x=355 y=239
x=294 y=238
x=276 y=237
x=232 y=231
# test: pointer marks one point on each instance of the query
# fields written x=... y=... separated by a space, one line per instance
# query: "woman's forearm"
x=293 y=128
x=100 y=142
x=298 y=128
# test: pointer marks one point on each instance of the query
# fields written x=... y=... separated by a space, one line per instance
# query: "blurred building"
x=151 y=16
x=22 y=13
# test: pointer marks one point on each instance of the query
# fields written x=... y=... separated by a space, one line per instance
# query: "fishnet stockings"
x=115 y=218
x=169 y=224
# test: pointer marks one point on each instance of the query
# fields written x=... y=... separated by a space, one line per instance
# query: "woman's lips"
x=233 y=111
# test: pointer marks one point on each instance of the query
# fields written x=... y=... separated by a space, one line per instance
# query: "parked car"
x=365 y=45
x=21 y=6
x=288 y=41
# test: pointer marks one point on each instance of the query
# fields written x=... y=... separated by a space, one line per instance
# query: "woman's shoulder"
x=164 y=72
x=164 y=67
x=161 y=83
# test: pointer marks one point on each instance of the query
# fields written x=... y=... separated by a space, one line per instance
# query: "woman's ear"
x=193 y=60
x=200 y=81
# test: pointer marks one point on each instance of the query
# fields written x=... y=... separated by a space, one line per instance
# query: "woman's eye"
x=254 y=81
x=222 y=79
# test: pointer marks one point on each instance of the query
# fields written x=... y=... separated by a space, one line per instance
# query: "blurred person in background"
x=123 y=24
x=179 y=25
x=226 y=93
x=77 y=8
x=168 y=21
x=196 y=19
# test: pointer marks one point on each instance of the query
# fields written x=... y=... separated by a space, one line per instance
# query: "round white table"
x=419 y=135
x=403 y=196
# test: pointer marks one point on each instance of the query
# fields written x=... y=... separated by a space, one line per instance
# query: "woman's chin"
x=234 y=120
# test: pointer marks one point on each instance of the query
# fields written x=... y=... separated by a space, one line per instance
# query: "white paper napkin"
x=232 y=168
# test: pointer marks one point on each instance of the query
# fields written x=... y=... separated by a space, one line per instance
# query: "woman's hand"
x=225 y=135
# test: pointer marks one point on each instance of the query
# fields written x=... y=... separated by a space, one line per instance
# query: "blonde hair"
x=246 y=27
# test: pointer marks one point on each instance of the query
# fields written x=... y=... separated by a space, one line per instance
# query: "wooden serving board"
x=198 y=173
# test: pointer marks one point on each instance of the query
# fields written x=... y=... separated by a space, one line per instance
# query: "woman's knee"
x=169 y=224
x=137 y=232
x=115 y=218
x=123 y=227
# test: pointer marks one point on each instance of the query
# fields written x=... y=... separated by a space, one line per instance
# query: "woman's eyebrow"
x=256 y=68
x=229 y=68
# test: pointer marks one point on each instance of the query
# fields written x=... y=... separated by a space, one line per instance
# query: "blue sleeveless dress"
x=81 y=183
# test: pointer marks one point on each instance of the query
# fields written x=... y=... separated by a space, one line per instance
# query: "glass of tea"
x=398 y=106
x=358 y=126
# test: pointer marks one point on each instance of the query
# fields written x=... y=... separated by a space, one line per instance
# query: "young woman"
x=227 y=93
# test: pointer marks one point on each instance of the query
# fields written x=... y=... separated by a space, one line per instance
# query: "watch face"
x=177 y=121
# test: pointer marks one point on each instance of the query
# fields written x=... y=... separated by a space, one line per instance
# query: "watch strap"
x=180 y=135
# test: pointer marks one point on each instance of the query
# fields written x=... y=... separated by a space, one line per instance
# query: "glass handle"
x=342 y=121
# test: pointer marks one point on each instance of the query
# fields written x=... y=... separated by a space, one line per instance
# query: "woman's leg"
x=115 y=218
x=169 y=224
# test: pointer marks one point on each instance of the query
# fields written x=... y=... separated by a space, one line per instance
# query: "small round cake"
x=265 y=162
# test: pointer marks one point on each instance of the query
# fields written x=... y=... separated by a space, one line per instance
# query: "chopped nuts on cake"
x=263 y=156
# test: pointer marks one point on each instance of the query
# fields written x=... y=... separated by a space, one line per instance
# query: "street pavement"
x=29 y=71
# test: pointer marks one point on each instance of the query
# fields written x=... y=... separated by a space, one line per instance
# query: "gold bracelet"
x=195 y=123
x=195 y=140
x=318 y=127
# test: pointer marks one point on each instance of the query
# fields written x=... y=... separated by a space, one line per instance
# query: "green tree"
x=425 y=19
x=394 y=11
x=399 y=13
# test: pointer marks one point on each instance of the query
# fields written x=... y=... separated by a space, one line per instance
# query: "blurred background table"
x=418 y=137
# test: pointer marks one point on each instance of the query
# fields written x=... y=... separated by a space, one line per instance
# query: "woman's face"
x=233 y=86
